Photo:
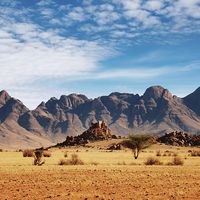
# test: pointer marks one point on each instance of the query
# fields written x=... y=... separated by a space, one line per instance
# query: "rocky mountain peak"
x=72 y=100
x=4 y=97
x=157 y=92
x=193 y=101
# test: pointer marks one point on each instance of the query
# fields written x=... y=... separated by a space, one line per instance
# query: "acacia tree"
x=137 y=142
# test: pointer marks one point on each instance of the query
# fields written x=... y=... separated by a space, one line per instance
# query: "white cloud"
x=30 y=51
x=153 y=5
x=77 y=14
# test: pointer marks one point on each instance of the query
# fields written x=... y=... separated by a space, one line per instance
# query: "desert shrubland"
x=74 y=160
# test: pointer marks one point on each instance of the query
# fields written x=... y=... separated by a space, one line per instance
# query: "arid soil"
x=105 y=175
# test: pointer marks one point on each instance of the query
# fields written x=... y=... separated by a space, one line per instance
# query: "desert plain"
x=105 y=175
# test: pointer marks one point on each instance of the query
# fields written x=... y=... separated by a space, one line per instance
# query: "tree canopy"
x=137 y=142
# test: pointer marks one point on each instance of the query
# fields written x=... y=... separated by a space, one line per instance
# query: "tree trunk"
x=136 y=153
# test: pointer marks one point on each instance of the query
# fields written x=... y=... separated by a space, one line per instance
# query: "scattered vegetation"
x=75 y=160
x=169 y=153
x=176 y=161
x=121 y=163
x=175 y=154
x=152 y=161
x=65 y=154
x=28 y=153
x=137 y=143
x=195 y=153
x=63 y=162
x=38 y=158
x=158 y=153
x=94 y=163
x=46 y=154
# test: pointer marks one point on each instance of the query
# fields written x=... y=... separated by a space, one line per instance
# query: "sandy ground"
x=108 y=179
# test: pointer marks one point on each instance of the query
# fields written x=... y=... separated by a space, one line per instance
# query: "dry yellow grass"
x=115 y=175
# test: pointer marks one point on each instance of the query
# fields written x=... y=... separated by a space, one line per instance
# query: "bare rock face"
x=179 y=138
x=98 y=131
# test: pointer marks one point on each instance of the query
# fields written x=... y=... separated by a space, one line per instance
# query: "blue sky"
x=54 y=47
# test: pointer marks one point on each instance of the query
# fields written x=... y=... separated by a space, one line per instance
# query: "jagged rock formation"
x=98 y=131
x=180 y=139
x=157 y=111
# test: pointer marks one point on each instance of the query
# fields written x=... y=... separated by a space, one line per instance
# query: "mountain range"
x=157 y=111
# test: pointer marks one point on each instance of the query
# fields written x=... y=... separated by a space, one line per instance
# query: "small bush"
x=133 y=163
x=175 y=154
x=1 y=150
x=73 y=161
x=176 y=161
x=121 y=163
x=63 y=162
x=47 y=154
x=28 y=153
x=158 y=153
x=164 y=154
x=66 y=154
x=94 y=163
x=152 y=161
x=195 y=153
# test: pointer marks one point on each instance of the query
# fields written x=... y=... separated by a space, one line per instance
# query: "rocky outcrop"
x=180 y=139
x=97 y=132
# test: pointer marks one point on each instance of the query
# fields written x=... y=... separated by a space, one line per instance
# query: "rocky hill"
x=97 y=132
x=157 y=111
x=180 y=139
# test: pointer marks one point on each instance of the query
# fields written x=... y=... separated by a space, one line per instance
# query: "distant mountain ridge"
x=156 y=111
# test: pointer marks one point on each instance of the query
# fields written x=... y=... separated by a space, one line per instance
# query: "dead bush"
x=152 y=161
x=75 y=160
x=66 y=154
x=175 y=154
x=1 y=150
x=121 y=163
x=47 y=154
x=195 y=153
x=63 y=162
x=176 y=161
x=158 y=153
x=94 y=163
x=28 y=153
